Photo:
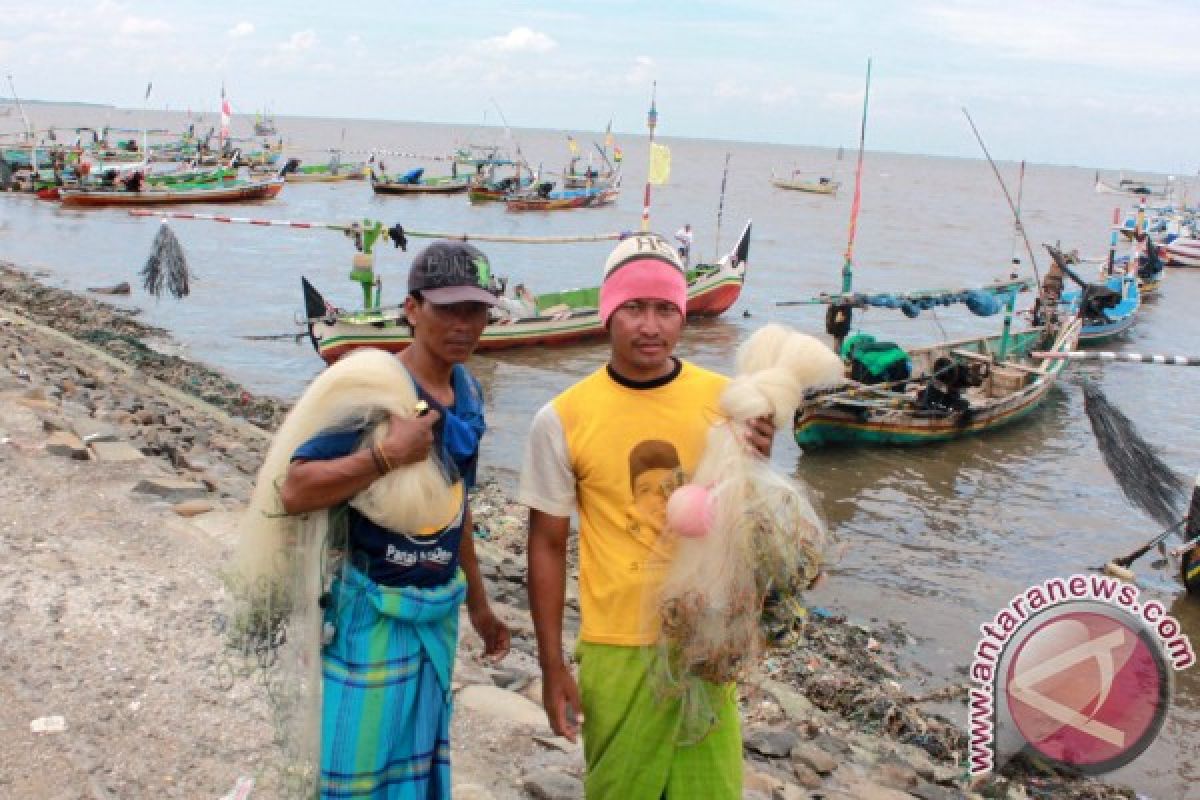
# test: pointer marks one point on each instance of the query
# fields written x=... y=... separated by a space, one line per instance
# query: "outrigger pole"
x=365 y=235
x=1135 y=358
x=389 y=234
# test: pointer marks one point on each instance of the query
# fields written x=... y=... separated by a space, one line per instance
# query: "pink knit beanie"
x=642 y=267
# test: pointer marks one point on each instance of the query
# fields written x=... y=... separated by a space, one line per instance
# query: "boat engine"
x=943 y=390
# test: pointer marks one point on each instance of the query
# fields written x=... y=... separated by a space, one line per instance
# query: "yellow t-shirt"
x=614 y=452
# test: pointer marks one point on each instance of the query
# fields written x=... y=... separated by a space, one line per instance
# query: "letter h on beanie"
x=642 y=267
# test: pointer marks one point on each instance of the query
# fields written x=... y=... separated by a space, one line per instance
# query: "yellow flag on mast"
x=660 y=164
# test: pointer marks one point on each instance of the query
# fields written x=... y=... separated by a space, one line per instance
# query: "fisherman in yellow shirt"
x=612 y=448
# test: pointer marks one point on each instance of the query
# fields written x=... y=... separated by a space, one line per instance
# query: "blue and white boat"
x=1108 y=309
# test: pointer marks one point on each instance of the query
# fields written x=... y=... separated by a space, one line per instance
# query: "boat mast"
x=651 y=123
x=848 y=263
x=29 y=132
x=721 y=209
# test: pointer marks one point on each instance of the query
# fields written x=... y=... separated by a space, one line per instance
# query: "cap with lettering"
x=448 y=272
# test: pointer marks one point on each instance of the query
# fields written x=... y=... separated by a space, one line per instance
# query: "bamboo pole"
x=354 y=227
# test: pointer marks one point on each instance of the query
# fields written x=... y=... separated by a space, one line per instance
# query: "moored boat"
x=237 y=193
x=822 y=185
x=413 y=182
x=548 y=319
x=962 y=388
x=543 y=199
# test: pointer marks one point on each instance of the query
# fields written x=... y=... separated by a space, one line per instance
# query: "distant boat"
x=413 y=182
x=822 y=185
x=335 y=171
x=543 y=198
x=1130 y=186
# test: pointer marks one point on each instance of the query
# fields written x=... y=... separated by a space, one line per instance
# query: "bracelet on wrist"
x=381 y=463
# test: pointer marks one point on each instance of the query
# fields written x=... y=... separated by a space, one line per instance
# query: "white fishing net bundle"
x=280 y=569
x=746 y=535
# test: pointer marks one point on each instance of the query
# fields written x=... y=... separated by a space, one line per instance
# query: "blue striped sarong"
x=385 y=714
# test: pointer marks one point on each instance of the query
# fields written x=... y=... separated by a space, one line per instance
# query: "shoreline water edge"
x=124 y=471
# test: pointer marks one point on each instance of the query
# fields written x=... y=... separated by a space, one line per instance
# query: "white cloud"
x=726 y=89
x=141 y=26
x=642 y=71
x=1069 y=32
x=241 y=30
x=777 y=95
x=300 y=40
x=522 y=40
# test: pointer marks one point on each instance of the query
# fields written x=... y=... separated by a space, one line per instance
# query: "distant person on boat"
x=394 y=603
x=611 y=449
x=684 y=237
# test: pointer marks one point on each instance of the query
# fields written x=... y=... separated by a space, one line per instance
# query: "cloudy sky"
x=1101 y=83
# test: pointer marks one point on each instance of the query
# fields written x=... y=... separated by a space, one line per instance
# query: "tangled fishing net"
x=284 y=563
x=167 y=266
x=748 y=540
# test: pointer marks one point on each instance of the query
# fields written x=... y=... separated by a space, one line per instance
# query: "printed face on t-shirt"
x=654 y=472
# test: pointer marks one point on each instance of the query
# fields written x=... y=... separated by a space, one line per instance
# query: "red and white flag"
x=226 y=114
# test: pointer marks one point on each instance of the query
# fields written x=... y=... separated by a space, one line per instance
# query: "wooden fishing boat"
x=1182 y=252
x=1002 y=385
x=549 y=319
x=237 y=193
x=333 y=172
x=545 y=200
x=1108 y=309
x=412 y=182
x=822 y=185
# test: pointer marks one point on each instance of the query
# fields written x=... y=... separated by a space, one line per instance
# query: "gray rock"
x=116 y=452
x=510 y=678
x=172 y=490
x=813 y=757
x=790 y=791
x=92 y=430
x=795 y=705
x=806 y=776
x=67 y=445
x=931 y=791
x=546 y=784
x=503 y=704
x=772 y=743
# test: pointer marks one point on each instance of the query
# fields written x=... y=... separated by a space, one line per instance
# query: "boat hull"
x=448 y=187
x=865 y=423
x=602 y=197
x=805 y=186
x=75 y=198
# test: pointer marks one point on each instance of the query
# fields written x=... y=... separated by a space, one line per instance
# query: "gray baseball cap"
x=448 y=272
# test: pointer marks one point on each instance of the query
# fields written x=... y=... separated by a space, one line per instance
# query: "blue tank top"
x=393 y=558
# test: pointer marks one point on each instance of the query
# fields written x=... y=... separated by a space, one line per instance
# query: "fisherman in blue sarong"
x=392 y=610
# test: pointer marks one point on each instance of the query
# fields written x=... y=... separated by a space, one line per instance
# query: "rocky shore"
x=122 y=472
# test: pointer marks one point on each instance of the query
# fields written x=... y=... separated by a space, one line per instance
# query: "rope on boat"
x=354 y=226
x=1136 y=358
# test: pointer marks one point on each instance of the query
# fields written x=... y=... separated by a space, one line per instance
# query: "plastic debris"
x=55 y=724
